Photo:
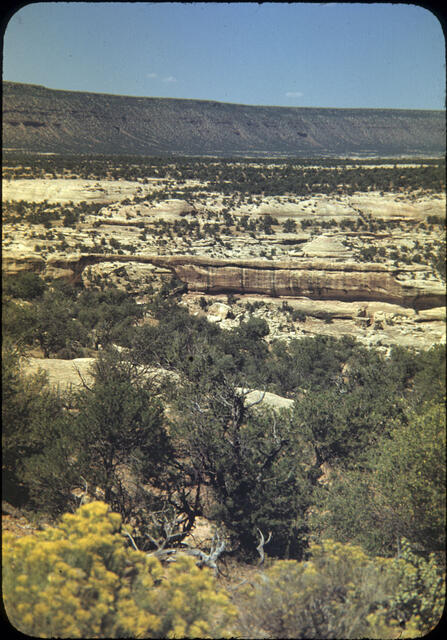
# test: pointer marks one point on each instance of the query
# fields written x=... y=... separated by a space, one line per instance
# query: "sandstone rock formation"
x=314 y=279
x=62 y=373
x=325 y=246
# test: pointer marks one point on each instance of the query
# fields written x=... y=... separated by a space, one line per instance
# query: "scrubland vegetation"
x=239 y=175
x=222 y=196
x=325 y=519
x=328 y=517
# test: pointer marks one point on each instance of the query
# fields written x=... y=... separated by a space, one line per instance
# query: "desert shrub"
x=314 y=362
x=248 y=460
x=339 y=592
x=109 y=315
x=327 y=317
x=368 y=253
x=26 y=285
x=117 y=424
x=18 y=321
x=27 y=403
x=298 y=316
x=430 y=376
x=55 y=327
x=63 y=319
x=421 y=593
x=71 y=217
x=289 y=226
x=410 y=478
x=398 y=489
x=203 y=302
x=80 y=580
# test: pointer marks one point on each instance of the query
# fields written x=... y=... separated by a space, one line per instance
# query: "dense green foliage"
x=66 y=321
x=248 y=458
x=26 y=285
x=113 y=437
x=397 y=490
x=29 y=407
x=267 y=176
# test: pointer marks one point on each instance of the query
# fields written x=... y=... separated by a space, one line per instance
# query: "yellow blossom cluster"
x=79 y=579
x=339 y=592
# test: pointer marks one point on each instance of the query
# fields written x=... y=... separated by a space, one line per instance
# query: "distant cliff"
x=44 y=120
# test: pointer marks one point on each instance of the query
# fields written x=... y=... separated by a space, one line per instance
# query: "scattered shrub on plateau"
x=80 y=579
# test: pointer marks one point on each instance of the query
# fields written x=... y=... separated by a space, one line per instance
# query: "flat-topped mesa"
x=314 y=279
x=46 y=120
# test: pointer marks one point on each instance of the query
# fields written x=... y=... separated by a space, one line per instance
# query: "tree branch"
x=260 y=547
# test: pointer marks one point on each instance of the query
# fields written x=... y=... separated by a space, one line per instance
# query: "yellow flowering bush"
x=79 y=579
x=421 y=593
x=339 y=593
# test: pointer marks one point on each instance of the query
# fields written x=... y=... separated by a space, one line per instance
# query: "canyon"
x=319 y=274
x=343 y=233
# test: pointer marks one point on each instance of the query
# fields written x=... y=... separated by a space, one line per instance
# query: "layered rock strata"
x=314 y=279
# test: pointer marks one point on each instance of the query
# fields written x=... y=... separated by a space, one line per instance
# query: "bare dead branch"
x=258 y=401
x=208 y=559
x=262 y=543
x=203 y=559
x=274 y=432
x=224 y=400
x=84 y=384
x=126 y=533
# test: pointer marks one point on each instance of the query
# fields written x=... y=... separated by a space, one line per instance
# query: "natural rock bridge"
x=314 y=279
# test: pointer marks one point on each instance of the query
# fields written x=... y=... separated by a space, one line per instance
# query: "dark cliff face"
x=45 y=120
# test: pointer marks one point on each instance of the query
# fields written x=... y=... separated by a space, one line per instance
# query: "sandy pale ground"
x=109 y=191
x=121 y=218
x=71 y=373
x=65 y=190
x=62 y=373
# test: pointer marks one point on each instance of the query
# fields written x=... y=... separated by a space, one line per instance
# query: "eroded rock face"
x=13 y=264
x=326 y=247
x=313 y=279
x=322 y=281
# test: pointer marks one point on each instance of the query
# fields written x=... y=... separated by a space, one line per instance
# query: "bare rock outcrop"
x=14 y=264
x=325 y=246
x=62 y=373
x=315 y=279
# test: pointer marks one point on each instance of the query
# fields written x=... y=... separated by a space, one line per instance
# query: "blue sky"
x=298 y=54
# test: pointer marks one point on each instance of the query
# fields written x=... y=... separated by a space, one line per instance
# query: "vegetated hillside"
x=44 y=120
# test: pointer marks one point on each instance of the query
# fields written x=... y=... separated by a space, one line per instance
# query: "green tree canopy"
x=399 y=490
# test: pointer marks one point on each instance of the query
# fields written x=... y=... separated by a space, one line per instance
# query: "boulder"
x=219 y=310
